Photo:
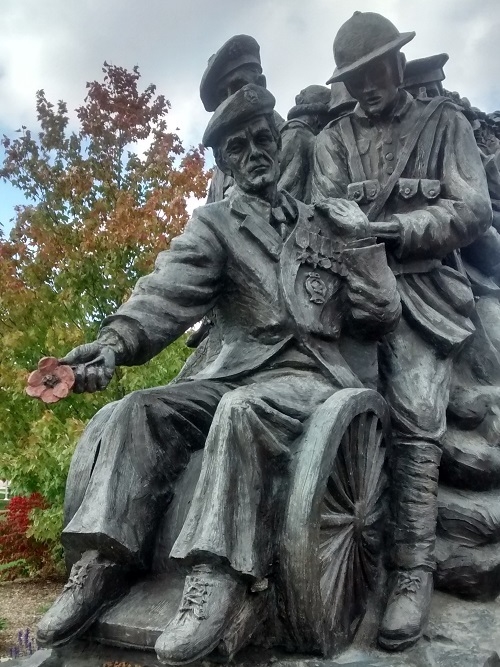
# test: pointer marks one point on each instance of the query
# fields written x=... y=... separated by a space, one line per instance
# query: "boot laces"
x=194 y=599
x=77 y=576
x=407 y=583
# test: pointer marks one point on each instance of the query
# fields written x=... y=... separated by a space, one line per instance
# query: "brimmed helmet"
x=366 y=36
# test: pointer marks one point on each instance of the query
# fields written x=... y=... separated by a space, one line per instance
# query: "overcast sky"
x=58 y=45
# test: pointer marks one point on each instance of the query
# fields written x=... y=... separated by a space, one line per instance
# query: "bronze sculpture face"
x=236 y=79
x=250 y=154
x=376 y=85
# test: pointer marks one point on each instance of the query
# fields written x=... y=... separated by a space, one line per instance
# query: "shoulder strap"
x=378 y=204
x=355 y=163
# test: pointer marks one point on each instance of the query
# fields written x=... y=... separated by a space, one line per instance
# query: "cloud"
x=59 y=45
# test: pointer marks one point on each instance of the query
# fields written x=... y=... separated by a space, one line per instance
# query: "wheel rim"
x=351 y=510
x=330 y=541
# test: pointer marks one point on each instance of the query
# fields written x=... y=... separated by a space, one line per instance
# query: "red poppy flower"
x=51 y=382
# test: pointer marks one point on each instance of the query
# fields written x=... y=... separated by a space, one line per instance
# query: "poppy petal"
x=61 y=390
x=48 y=396
x=48 y=364
x=35 y=391
x=35 y=378
x=66 y=375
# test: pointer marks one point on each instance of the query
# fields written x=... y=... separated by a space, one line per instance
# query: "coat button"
x=389 y=156
x=390 y=170
x=407 y=191
x=388 y=140
x=432 y=193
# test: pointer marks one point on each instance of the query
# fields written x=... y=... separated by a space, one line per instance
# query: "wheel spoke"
x=373 y=437
x=331 y=504
x=348 y=448
x=331 y=520
x=333 y=577
x=338 y=485
x=373 y=479
x=360 y=432
x=332 y=544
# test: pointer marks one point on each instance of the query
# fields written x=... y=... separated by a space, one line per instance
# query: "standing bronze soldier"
x=414 y=168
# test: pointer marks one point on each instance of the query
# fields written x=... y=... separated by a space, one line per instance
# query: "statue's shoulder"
x=296 y=124
x=449 y=108
x=212 y=212
x=339 y=122
x=213 y=216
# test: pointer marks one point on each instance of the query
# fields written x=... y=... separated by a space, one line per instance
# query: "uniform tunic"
x=439 y=204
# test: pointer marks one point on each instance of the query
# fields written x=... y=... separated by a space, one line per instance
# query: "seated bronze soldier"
x=284 y=281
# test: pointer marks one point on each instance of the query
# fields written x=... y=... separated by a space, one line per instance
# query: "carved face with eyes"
x=376 y=86
x=251 y=156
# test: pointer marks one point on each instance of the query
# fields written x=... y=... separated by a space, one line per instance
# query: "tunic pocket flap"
x=372 y=188
x=356 y=192
x=430 y=189
x=408 y=187
x=363 y=191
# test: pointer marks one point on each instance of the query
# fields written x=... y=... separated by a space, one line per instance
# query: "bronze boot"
x=407 y=609
x=94 y=584
x=414 y=469
x=210 y=603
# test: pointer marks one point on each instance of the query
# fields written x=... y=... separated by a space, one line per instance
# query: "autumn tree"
x=103 y=200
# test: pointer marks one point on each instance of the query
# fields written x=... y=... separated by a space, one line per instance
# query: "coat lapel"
x=254 y=216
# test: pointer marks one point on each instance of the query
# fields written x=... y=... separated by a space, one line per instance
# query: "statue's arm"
x=330 y=176
x=182 y=288
x=463 y=211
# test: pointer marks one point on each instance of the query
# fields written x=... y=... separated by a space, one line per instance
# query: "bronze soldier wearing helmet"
x=414 y=168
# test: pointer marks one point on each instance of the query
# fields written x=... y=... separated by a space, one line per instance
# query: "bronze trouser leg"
x=414 y=471
x=126 y=463
x=417 y=382
x=239 y=498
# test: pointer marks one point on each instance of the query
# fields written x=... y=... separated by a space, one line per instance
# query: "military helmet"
x=363 y=38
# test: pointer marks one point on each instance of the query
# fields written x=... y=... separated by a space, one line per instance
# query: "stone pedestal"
x=459 y=634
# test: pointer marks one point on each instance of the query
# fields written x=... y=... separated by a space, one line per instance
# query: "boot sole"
x=62 y=641
x=393 y=644
x=200 y=654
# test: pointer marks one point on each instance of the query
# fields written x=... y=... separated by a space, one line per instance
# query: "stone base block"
x=459 y=634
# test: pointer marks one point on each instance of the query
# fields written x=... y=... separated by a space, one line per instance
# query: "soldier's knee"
x=237 y=401
x=422 y=417
x=136 y=399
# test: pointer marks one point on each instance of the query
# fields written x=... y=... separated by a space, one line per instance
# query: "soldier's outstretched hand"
x=93 y=365
x=347 y=219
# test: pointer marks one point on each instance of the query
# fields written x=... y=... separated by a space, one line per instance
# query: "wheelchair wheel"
x=333 y=525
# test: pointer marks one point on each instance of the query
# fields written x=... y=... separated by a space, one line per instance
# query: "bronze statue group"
x=351 y=246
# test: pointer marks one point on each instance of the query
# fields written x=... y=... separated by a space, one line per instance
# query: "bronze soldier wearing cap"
x=414 y=168
x=284 y=280
x=234 y=65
